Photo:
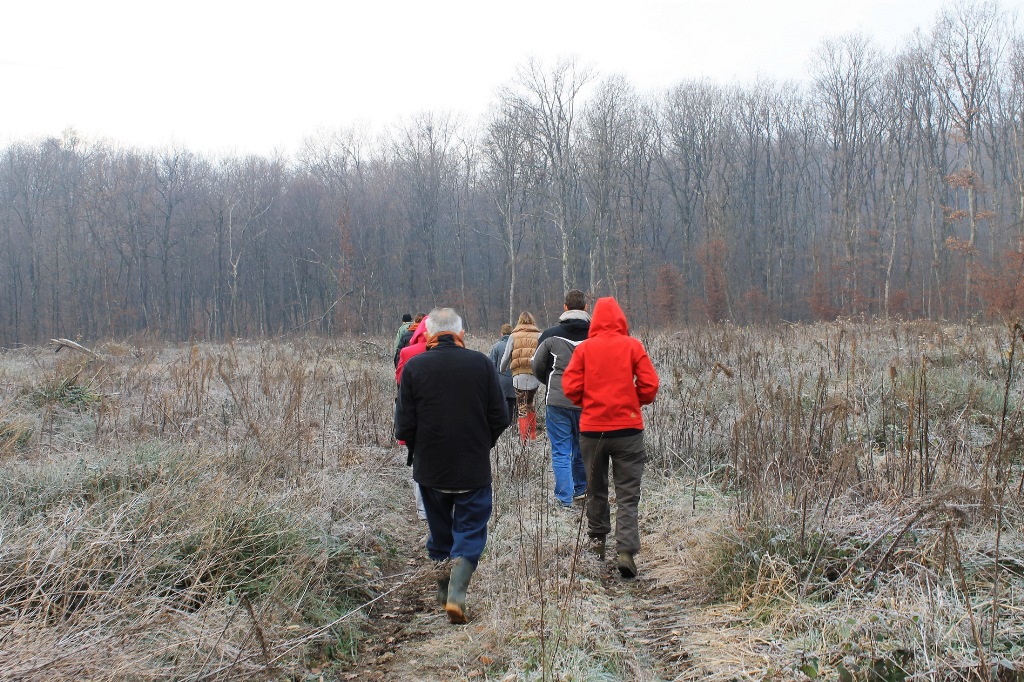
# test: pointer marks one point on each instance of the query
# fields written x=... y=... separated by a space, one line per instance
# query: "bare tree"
x=606 y=134
x=691 y=120
x=899 y=105
x=512 y=168
x=1014 y=121
x=426 y=156
x=846 y=77
x=968 y=42
x=548 y=99
x=29 y=178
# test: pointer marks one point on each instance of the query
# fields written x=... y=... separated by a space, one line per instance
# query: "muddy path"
x=403 y=620
x=407 y=636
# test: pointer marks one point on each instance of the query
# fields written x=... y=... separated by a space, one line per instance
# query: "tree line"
x=888 y=184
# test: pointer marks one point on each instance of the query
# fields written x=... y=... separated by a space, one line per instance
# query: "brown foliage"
x=961 y=246
x=962 y=178
x=820 y=300
x=1002 y=286
x=711 y=257
x=668 y=295
x=759 y=308
x=899 y=300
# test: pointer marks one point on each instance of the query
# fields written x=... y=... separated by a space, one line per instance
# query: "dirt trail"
x=408 y=636
x=405 y=620
x=657 y=621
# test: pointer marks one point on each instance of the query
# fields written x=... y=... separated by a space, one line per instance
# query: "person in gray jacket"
x=562 y=417
x=505 y=378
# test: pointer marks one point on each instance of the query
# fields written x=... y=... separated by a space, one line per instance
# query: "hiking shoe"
x=627 y=567
x=597 y=546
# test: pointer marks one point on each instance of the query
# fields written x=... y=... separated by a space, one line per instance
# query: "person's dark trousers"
x=626 y=455
x=513 y=411
x=563 y=426
x=457 y=523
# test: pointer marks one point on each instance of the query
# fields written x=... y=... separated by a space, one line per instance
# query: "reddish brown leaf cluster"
x=711 y=256
x=1002 y=286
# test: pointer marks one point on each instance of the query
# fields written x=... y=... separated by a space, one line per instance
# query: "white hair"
x=443 y=320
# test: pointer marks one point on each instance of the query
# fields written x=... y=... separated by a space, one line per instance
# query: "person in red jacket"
x=417 y=344
x=610 y=376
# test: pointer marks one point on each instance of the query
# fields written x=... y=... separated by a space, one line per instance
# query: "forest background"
x=835 y=499
x=891 y=184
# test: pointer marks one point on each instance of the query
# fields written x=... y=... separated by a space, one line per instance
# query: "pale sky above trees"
x=228 y=76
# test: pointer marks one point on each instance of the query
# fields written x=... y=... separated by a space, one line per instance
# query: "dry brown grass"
x=819 y=499
x=199 y=519
x=872 y=520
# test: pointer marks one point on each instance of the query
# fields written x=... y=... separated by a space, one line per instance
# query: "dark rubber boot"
x=627 y=566
x=462 y=571
x=443 y=575
x=597 y=546
x=442 y=590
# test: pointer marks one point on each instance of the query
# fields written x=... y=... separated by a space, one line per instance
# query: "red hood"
x=420 y=335
x=608 y=318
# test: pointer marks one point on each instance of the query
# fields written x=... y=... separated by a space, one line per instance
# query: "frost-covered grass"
x=870 y=513
x=205 y=514
x=820 y=500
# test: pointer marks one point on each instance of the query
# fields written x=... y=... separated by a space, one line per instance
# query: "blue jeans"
x=457 y=523
x=563 y=425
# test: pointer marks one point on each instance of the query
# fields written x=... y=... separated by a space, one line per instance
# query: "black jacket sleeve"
x=497 y=410
x=542 y=362
x=405 y=415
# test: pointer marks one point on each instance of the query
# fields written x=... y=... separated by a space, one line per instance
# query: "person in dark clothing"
x=451 y=412
x=562 y=418
x=496 y=353
x=406 y=336
x=406 y=323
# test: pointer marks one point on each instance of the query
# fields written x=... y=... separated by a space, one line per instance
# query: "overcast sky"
x=221 y=76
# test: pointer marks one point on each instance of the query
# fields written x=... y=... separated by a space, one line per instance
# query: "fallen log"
x=68 y=343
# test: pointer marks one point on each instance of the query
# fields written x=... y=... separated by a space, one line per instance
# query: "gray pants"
x=627 y=458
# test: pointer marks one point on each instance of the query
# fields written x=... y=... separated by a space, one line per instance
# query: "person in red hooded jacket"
x=611 y=376
x=417 y=344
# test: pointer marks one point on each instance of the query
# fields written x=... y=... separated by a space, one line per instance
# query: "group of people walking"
x=453 y=404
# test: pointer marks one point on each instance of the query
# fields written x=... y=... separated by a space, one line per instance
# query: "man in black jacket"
x=451 y=412
x=562 y=418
